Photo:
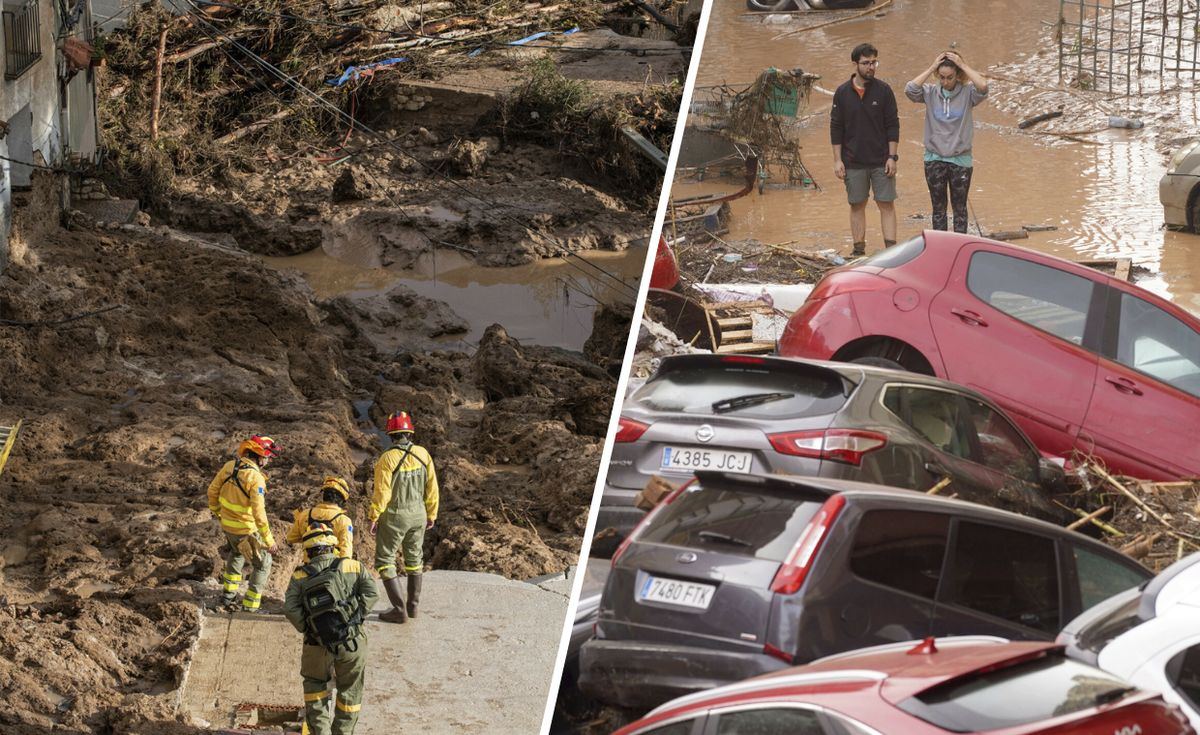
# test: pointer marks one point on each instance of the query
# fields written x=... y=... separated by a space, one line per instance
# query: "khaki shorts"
x=859 y=181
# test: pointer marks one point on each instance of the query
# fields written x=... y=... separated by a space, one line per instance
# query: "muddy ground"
x=138 y=355
x=108 y=544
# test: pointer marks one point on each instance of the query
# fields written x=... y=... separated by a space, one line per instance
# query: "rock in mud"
x=349 y=188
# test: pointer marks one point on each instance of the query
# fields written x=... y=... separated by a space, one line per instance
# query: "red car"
x=972 y=684
x=1081 y=360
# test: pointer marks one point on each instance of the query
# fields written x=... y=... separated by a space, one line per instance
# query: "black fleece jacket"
x=863 y=127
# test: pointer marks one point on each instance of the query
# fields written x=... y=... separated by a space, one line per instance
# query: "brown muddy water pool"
x=1101 y=196
x=550 y=302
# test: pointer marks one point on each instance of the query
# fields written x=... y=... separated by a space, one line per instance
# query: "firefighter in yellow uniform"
x=335 y=492
x=327 y=600
x=404 y=506
x=236 y=496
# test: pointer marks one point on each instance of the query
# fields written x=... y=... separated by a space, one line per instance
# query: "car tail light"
x=646 y=519
x=794 y=568
x=778 y=653
x=839 y=445
x=630 y=430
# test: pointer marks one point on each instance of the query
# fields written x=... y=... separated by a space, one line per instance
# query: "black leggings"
x=940 y=175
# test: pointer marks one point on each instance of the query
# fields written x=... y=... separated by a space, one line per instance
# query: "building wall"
x=32 y=102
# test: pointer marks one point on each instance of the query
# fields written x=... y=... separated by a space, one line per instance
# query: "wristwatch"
x=894 y=157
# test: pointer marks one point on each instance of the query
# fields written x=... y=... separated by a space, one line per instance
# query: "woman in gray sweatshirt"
x=949 y=127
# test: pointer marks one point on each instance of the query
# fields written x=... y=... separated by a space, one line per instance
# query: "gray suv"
x=736 y=575
x=772 y=415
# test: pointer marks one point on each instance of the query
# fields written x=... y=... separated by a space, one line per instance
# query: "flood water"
x=550 y=302
x=1103 y=198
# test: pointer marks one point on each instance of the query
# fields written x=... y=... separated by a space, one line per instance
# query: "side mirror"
x=1051 y=475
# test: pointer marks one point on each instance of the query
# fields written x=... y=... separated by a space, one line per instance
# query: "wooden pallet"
x=733 y=327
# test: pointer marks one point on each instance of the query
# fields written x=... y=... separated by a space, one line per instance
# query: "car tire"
x=771 y=6
x=1194 y=213
x=882 y=362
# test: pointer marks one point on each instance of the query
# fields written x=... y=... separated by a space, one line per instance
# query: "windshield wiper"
x=717 y=536
x=754 y=399
x=1113 y=695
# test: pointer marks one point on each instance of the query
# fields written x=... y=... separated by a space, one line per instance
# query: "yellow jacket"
x=241 y=504
x=388 y=466
x=342 y=527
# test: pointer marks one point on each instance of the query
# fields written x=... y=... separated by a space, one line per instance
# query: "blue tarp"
x=354 y=72
x=527 y=39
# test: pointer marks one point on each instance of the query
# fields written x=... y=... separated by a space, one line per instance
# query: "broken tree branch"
x=156 y=102
x=1087 y=517
x=243 y=132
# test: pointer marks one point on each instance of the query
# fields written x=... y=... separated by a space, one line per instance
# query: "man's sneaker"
x=860 y=249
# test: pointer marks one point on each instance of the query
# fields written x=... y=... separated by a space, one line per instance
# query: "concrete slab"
x=477 y=660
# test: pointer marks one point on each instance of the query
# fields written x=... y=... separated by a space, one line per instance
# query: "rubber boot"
x=860 y=248
x=414 y=594
x=396 y=597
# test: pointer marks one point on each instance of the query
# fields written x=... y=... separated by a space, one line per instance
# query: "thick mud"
x=108 y=547
x=1097 y=186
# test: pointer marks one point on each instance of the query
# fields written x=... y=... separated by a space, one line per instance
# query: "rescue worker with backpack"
x=237 y=498
x=404 y=506
x=327 y=600
x=335 y=492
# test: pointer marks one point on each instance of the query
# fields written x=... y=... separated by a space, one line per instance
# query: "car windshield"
x=746 y=522
x=750 y=391
x=1046 y=687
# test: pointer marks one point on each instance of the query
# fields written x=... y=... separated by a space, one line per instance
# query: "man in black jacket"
x=864 y=127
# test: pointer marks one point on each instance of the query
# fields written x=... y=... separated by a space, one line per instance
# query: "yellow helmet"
x=337 y=483
x=263 y=446
x=319 y=534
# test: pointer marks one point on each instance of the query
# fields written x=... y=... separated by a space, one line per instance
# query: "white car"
x=1179 y=188
x=1149 y=635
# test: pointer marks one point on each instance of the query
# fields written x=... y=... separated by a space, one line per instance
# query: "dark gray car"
x=773 y=415
x=737 y=575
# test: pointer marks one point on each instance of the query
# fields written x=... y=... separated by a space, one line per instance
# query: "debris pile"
x=1153 y=522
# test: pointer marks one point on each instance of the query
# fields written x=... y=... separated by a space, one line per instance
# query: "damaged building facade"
x=47 y=97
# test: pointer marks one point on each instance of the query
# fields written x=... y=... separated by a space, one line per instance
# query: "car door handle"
x=934 y=468
x=1125 y=385
x=969 y=317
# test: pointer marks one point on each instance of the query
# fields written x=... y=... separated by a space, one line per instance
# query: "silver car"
x=773 y=415
x=1179 y=188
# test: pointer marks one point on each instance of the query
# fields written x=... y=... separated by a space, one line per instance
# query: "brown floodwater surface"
x=1102 y=196
x=550 y=302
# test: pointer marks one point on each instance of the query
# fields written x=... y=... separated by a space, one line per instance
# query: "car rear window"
x=749 y=522
x=898 y=254
x=763 y=391
x=1050 y=686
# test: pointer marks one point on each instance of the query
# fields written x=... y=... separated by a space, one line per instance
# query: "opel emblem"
x=686 y=557
x=704 y=433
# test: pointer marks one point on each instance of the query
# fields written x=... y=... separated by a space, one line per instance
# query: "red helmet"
x=263 y=446
x=399 y=421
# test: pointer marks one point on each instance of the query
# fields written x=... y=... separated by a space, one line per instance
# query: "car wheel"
x=1194 y=213
x=776 y=6
x=882 y=362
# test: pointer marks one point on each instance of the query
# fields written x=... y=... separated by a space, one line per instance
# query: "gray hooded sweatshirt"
x=949 y=125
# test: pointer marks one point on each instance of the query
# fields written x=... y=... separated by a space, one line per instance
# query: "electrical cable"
x=280 y=75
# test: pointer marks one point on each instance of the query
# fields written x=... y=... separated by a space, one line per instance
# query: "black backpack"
x=332 y=622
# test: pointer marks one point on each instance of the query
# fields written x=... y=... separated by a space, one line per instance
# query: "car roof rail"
x=770 y=682
x=1146 y=608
